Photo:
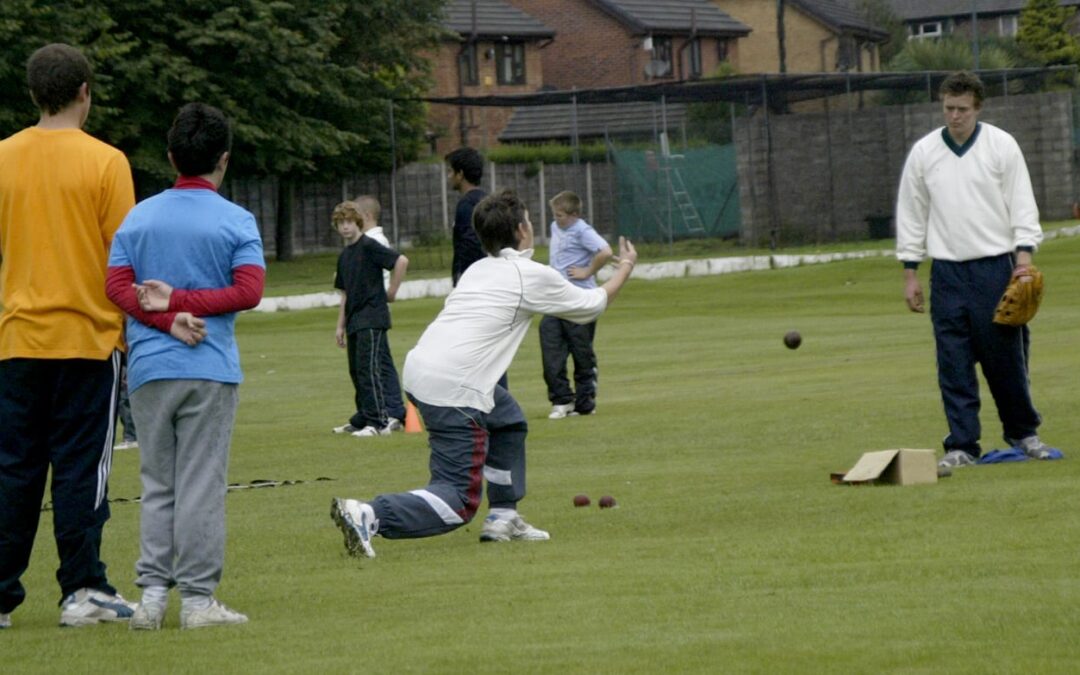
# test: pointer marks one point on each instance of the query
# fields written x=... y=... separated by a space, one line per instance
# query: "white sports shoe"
x=1032 y=447
x=216 y=614
x=5 y=621
x=88 y=606
x=126 y=445
x=345 y=429
x=147 y=616
x=358 y=523
x=371 y=431
x=505 y=529
x=559 y=411
x=393 y=424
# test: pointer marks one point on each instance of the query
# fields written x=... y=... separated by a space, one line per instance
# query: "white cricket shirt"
x=472 y=341
x=967 y=202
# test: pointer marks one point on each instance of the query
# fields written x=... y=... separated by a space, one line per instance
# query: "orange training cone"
x=413 y=425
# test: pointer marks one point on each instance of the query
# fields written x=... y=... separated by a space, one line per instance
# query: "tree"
x=881 y=15
x=306 y=83
x=945 y=54
x=1044 y=33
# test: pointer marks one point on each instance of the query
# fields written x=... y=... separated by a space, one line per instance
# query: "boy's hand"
x=191 y=330
x=579 y=273
x=627 y=251
x=153 y=295
x=339 y=335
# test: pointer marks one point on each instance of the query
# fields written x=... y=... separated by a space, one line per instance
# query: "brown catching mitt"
x=1021 y=299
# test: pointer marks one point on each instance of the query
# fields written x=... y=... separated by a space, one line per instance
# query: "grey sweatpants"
x=185 y=427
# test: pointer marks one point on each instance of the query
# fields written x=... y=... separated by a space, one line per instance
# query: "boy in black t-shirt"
x=364 y=318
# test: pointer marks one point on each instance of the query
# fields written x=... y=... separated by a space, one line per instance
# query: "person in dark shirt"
x=465 y=170
x=364 y=317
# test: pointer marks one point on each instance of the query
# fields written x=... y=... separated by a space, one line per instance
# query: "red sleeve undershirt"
x=245 y=293
x=118 y=286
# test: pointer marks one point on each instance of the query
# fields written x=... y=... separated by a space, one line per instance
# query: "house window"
x=693 y=53
x=660 y=65
x=926 y=29
x=847 y=54
x=467 y=70
x=510 y=62
x=723 y=50
x=1007 y=25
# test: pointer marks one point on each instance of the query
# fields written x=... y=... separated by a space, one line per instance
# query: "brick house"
x=611 y=43
x=938 y=18
x=491 y=48
x=820 y=36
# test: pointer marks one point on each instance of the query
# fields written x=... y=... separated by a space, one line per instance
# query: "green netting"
x=693 y=193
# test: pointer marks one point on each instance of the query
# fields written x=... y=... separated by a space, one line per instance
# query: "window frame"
x=468 y=65
x=510 y=62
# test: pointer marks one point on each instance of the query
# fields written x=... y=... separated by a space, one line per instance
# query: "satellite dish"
x=657 y=68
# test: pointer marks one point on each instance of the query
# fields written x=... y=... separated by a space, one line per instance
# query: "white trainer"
x=506 y=529
x=126 y=445
x=393 y=424
x=5 y=621
x=358 y=523
x=1032 y=447
x=88 y=606
x=216 y=614
x=371 y=431
x=559 y=411
x=345 y=429
x=147 y=616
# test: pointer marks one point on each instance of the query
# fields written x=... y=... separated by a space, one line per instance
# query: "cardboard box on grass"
x=903 y=466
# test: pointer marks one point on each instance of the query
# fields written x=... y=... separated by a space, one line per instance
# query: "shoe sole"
x=355 y=543
x=211 y=624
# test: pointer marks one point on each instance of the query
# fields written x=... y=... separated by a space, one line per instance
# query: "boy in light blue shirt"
x=183 y=263
x=577 y=252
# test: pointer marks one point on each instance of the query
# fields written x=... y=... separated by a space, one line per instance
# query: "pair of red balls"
x=606 y=502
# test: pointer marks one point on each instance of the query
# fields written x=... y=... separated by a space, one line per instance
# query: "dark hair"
x=469 y=162
x=496 y=219
x=199 y=136
x=54 y=74
x=964 y=82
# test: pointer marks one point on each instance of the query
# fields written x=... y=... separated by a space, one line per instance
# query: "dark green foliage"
x=305 y=82
x=1044 y=33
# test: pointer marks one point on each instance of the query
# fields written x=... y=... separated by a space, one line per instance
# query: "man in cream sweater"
x=966 y=202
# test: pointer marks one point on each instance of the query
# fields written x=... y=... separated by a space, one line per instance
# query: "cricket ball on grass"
x=792 y=339
x=607 y=501
x=582 y=500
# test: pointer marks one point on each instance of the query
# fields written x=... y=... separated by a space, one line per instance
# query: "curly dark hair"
x=496 y=219
x=199 y=136
x=54 y=74
x=964 y=82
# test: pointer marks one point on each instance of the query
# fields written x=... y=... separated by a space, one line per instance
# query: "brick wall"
x=831 y=170
x=483 y=125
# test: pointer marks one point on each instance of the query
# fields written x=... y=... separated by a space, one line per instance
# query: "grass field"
x=730 y=550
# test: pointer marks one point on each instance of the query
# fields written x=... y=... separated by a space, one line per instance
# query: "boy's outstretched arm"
x=627 y=260
x=396 y=277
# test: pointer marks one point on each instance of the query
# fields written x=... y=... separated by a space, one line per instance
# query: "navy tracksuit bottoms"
x=963 y=296
x=57 y=413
